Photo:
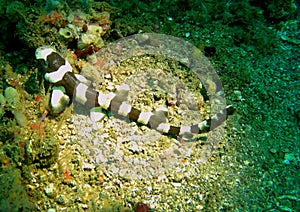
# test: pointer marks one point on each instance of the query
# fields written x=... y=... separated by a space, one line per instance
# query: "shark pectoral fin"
x=59 y=100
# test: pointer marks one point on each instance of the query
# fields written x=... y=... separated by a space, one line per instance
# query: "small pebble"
x=49 y=190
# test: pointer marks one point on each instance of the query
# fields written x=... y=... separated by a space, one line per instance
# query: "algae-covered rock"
x=44 y=150
x=20 y=117
x=91 y=37
x=12 y=97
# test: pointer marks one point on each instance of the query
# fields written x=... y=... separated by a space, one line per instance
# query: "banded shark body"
x=68 y=85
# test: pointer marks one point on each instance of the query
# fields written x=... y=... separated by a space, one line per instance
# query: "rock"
x=12 y=97
x=50 y=190
x=61 y=199
x=134 y=147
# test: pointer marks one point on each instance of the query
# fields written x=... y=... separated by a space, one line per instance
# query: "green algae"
x=13 y=194
x=44 y=151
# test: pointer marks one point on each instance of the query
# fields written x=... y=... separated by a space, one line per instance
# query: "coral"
x=52 y=18
x=103 y=19
x=91 y=37
x=87 y=51
x=37 y=25
x=66 y=32
x=86 y=35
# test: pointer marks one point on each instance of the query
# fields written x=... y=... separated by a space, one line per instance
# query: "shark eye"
x=44 y=65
